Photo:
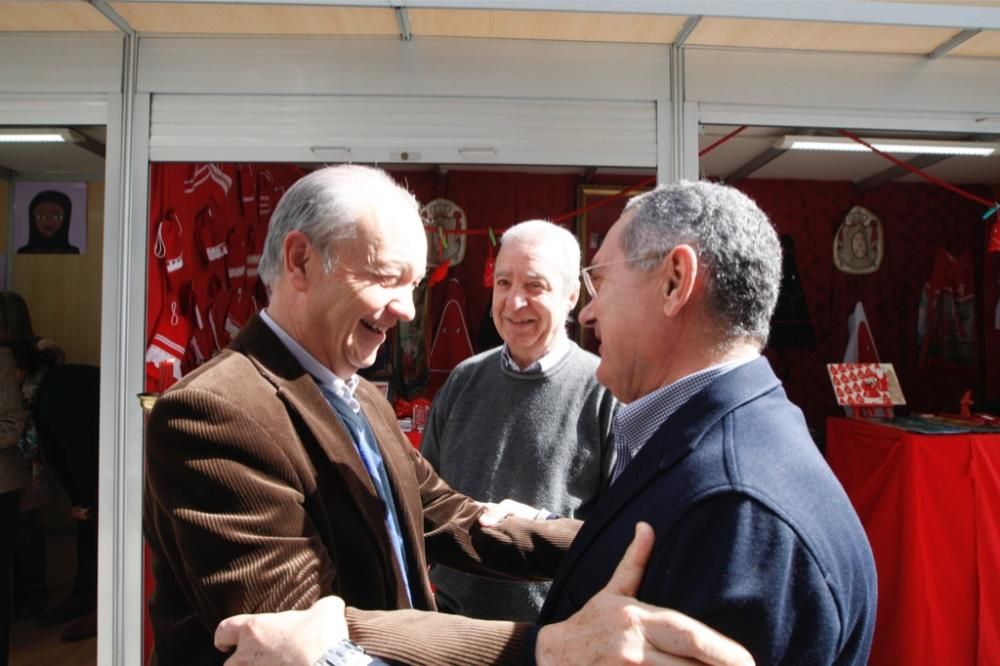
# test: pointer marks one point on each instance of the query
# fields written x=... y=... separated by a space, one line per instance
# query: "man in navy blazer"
x=754 y=535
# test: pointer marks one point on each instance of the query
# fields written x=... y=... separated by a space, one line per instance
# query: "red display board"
x=929 y=506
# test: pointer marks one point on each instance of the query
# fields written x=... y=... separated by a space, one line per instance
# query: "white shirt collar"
x=322 y=374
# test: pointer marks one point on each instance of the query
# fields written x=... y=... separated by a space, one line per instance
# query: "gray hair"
x=563 y=245
x=326 y=206
x=734 y=240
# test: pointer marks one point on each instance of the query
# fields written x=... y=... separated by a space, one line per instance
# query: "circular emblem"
x=439 y=217
x=858 y=245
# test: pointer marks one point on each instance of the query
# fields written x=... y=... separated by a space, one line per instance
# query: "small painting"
x=50 y=218
x=592 y=225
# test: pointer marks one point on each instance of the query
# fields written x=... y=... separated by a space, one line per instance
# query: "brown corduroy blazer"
x=256 y=500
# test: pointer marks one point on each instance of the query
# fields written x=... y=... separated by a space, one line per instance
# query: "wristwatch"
x=345 y=652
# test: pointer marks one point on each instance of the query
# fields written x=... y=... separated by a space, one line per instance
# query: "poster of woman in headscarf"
x=50 y=218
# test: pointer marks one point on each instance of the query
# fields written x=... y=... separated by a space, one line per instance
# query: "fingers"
x=677 y=634
x=628 y=575
x=498 y=512
x=227 y=633
x=718 y=650
x=491 y=516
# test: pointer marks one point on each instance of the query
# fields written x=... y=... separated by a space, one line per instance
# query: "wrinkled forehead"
x=530 y=259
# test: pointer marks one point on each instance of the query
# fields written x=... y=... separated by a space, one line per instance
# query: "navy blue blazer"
x=754 y=534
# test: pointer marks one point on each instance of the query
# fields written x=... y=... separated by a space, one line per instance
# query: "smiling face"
x=48 y=218
x=347 y=312
x=530 y=300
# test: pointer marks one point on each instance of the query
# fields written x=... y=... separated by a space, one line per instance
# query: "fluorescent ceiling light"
x=901 y=146
x=39 y=135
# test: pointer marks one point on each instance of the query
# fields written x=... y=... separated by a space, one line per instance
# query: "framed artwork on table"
x=591 y=228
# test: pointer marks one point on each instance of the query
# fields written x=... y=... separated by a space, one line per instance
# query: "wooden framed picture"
x=591 y=228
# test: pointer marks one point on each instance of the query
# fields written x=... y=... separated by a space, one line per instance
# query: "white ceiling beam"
x=113 y=16
x=403 y=21
x=753 y=164
x=941 y=14
x=955 y=41
x=689 y=25
x=896 y=172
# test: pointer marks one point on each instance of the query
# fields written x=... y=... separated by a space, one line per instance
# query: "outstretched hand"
x=613 y=627
x=290 y=638
x=498 y=511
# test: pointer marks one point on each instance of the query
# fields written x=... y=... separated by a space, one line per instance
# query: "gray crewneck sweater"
x=539 y=438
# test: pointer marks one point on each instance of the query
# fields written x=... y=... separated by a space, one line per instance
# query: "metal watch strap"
x=344 y=652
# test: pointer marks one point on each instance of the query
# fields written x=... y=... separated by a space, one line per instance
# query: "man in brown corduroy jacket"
x=275 y=476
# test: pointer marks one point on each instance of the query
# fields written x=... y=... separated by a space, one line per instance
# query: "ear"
x=680 y=274
x=574 y=297
x=297 y=259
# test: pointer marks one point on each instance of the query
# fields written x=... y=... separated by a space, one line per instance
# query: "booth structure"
x=537 y=84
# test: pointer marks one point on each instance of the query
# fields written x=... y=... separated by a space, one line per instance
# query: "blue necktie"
x=364 y=440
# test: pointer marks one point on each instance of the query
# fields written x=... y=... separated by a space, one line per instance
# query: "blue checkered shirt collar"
x=637 y=421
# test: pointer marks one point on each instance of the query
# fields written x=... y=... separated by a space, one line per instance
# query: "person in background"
x=62 y=428
x=275 y=476
x=13 y=476
x=48 y=224
x=527 y=420
x=66 y=416
x=30 y=586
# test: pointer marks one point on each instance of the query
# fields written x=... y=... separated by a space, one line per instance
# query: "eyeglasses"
x=585 y=273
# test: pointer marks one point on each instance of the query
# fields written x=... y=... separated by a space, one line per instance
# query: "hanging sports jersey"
x=946 y=329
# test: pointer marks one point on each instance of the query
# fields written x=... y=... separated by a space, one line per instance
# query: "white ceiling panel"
x=969 y=170
x=832 y=166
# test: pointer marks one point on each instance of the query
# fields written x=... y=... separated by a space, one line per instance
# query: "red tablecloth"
x=931 y=507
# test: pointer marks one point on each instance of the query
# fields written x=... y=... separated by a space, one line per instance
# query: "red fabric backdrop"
x=917 y=219
x=927 y=504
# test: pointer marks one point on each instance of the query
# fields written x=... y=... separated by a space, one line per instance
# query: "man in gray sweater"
x=527 y=420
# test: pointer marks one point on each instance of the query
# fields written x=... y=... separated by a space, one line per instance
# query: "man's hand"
x=497 y=512
x=291 y=638
x=613 y=627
